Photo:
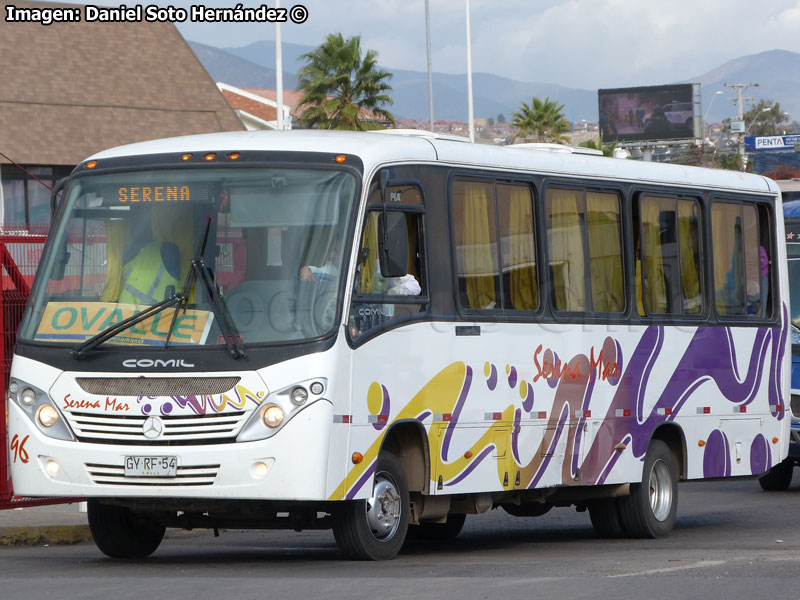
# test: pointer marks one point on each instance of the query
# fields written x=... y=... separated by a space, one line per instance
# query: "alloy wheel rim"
x=660 y=490
x=383 y=508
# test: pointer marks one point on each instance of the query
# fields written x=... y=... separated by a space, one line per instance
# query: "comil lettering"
x=159 y=193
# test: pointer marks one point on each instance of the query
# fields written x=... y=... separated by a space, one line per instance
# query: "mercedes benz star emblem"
x=153 y=428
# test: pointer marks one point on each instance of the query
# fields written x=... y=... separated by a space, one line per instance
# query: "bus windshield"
x=272 y=241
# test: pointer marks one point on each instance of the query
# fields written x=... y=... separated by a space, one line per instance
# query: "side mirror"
x=393 y=244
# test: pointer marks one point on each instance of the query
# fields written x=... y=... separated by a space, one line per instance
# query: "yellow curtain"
x=566 y=250
x=479 y=269
x=521 y=251
x=728 y=276
x=369 y=240
x=652 y=268
x=605 y=252
x=175 y=224
x=688 y=240
x=118 y=235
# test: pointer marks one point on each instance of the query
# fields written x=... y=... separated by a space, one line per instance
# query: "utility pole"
x=278 y=72
x=740 y=88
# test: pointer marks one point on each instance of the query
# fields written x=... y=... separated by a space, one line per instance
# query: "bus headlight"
x=280 y=407
x=40 y=409
x=272 y=415
x=27 y=397
x=299 y=396
x=46 y=415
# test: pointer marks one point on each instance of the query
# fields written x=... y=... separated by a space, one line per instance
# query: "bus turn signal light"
x=357 y=457
x=701 y=443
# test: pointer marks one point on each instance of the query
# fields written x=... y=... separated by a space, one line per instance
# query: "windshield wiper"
x=199 y=272
x=83 y=350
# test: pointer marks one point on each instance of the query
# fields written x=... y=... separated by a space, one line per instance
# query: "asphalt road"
x=731 y=541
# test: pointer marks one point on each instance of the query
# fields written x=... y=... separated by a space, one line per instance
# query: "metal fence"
x=19 y=257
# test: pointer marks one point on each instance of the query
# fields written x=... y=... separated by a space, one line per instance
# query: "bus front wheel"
x=120 y=533
x=649 y=511
x=375 y=529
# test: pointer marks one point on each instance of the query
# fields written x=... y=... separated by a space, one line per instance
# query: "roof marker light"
x=234 y=156
x=210 y=156
x=186 y=156
x=91 y=164
x=340 y=158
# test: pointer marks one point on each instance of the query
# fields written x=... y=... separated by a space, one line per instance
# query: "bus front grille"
x=177 y=429
x=139 y=387
x=190 y=475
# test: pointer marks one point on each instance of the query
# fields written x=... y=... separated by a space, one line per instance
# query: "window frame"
x=466 y=313
x=421 y=212
x=705 y=216
x=758 y=203
x=589 y=315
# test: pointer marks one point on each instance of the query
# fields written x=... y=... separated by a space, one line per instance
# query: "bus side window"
x=379 y=300
x=741 y=260
x=668 y=266
x=585 y=248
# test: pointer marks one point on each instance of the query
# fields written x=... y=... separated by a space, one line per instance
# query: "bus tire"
x=120 y=533
x=778 y=478
x=605 y=518
x=375 y=529
x=649 y=511
x=438 y=531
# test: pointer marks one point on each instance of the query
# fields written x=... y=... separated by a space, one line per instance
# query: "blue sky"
x=576 y=43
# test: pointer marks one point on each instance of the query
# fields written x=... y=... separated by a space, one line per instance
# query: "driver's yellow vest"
x=145 y=278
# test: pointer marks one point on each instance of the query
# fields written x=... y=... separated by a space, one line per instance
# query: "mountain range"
x=253 y=66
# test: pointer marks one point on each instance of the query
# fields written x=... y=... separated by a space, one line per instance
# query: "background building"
x=68 y=90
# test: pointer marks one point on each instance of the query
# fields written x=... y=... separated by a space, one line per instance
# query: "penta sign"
x=758 y=143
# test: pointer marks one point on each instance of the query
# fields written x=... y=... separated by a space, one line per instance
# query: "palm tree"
x=342 y=90
x=541 y=121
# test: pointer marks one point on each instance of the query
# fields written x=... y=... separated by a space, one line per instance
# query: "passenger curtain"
x=369 y=240
x=478 y=267
x=521 y=251
x=688 y=241
x=654 y=290
x=566 y=249
x=605 y=252
x=118 y=236
x=726 y=226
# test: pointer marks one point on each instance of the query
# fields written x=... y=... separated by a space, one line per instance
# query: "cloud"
x=576 y=43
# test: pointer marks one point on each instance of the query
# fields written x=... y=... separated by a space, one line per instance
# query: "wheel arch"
x=408 y=441
x=672 y=435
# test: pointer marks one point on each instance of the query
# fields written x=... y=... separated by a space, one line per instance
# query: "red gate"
x=19 y=257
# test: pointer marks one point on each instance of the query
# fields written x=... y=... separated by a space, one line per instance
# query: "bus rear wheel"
x=438 y=531
x=649 y=511
x=778 y=478
x=605 y=517
x=120 y=533
x=375 y=529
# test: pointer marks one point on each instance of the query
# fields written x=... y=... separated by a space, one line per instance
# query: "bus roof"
x=377 y=148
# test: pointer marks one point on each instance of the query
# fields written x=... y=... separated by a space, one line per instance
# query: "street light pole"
x=430 y=66
x=708 y=110
x=469 y=83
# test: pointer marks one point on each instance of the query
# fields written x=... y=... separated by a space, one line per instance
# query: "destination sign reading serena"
x=155 y=193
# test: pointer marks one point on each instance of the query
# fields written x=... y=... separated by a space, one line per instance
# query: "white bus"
x=381 y=334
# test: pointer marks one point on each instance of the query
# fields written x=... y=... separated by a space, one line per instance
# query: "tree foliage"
x=541 y=121
x=765 y=118
x=339 y=85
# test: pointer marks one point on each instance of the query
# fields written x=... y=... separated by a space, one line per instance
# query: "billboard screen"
x=663 y=112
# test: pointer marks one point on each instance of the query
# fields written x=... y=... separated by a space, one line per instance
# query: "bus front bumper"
x=291 y=465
